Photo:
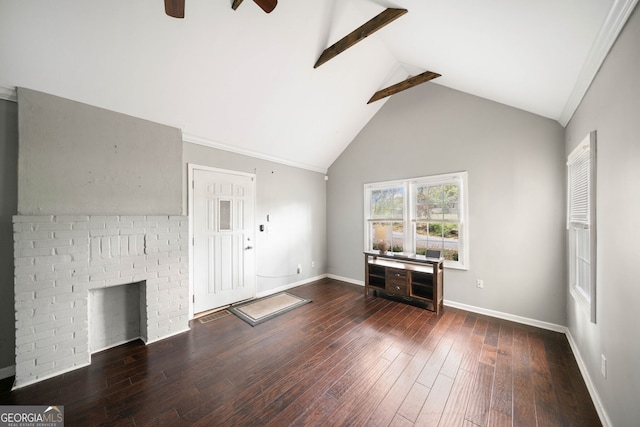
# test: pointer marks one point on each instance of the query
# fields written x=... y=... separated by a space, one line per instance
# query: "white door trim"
x=191 y=167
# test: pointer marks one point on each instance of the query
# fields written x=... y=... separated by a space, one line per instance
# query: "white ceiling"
x=244 y=80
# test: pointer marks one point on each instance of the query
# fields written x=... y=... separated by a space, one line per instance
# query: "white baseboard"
x=597 y=402
x=7 y=372
x=289 y=286
x=345 y=279
x=507 y=316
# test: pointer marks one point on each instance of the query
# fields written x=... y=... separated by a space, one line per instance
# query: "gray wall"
x=8 y=208
x=294 y=199
x=515 y=162
x=79 y=159
x=612 y=108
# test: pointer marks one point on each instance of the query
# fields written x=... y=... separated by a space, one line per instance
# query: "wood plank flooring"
x=344 y=359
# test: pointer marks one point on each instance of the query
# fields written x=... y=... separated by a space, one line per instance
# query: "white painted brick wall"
x=58 y=259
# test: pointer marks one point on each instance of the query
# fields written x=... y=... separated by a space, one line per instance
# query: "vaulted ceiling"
x=245 y=80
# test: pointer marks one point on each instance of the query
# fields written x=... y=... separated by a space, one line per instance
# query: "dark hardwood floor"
x=344 y=359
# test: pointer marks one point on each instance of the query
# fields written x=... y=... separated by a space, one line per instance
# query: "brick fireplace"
x=59 y=259
x=126 y=172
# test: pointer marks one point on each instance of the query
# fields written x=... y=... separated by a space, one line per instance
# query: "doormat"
x=213 y=316
x=263 y=309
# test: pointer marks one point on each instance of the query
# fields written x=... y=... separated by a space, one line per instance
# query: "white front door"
x=223 y=240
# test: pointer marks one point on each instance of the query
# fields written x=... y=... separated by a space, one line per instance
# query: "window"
x=581 y=223
x=387 y=216
x=415 y=215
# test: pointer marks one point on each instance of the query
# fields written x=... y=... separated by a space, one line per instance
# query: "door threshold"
x=241 y=301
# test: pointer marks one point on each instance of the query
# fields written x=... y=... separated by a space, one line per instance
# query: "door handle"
x=248 y=247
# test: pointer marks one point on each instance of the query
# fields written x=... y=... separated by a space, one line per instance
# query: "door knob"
x=248 y=247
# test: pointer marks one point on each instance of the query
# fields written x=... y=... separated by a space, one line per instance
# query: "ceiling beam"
x=266 y=5
x=405 y=84
x=387 y=16
x=174 y=8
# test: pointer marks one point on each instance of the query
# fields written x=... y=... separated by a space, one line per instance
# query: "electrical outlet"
x=313 y=264
x=299 y=268
x=480 y=283
x=603 y=366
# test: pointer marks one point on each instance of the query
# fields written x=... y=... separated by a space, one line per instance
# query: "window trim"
x=409 y=186
x=587 y=302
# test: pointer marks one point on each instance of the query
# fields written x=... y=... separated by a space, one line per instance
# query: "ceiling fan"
x=175 y=8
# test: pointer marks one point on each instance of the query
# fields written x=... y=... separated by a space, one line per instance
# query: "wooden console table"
x=411 y=278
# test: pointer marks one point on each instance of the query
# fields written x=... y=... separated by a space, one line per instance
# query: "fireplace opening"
x=117 y=315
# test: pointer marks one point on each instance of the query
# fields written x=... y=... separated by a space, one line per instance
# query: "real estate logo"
x=31 y=416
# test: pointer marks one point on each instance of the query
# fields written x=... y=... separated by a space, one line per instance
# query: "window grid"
x=432 y=216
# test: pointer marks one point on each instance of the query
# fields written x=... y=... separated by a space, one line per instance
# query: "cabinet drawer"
x=396 y=274
x=396 y=287
x=396 y=281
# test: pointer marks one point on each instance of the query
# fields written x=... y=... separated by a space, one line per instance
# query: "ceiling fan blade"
x=235 y=4
x=174 y=8
x=266 y=5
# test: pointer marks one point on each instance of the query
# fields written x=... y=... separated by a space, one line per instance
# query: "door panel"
x=224 y=264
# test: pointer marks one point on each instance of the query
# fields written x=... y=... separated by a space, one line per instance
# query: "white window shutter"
x=579 y=191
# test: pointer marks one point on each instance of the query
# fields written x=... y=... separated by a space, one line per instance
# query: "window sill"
x=456 y=266
x=580 y=300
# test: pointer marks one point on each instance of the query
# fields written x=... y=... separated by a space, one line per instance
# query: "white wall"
x=612 y=108
x=515 y=162
x=294 y=199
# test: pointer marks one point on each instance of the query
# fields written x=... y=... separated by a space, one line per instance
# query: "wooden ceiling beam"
x=266 y=5
x=403 y=85
x=386 y=17
x=174 y=8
